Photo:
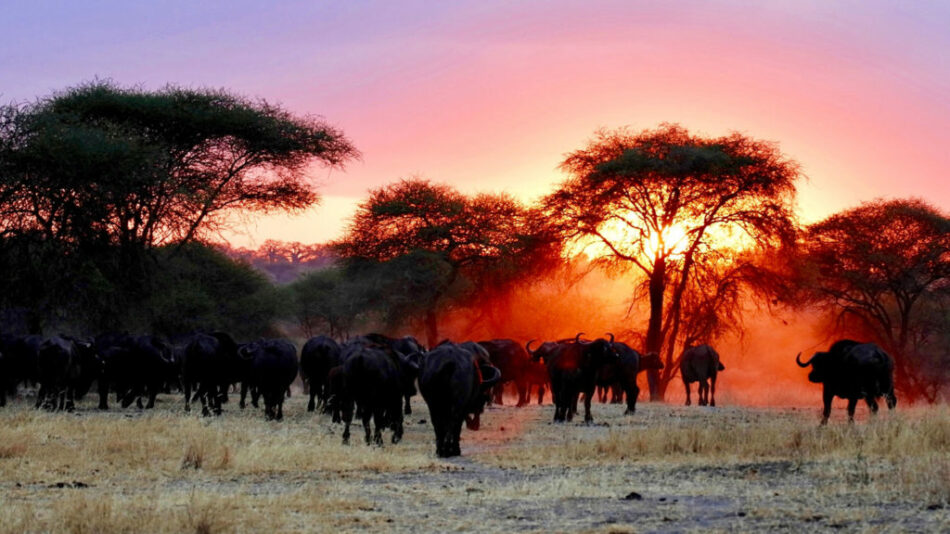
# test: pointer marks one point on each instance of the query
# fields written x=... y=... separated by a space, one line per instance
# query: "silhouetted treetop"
x=486 y=240
x=127 y=166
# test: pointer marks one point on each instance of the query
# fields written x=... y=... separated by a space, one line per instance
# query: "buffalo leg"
x=712 y=391
x=632 y=393
x=103 y=394
x=703 y=393
x=891 y=400
x=396 y=424
x=872 y=404
x=408 y=410
x=523 y=392
x=312 y=405
x=205 y=398
x=826 y=399
x=367 y=416
x=379 y=421
x=243 y=402
x=588 y=396
x=187 y=388
x=346 y=414
x=688 y=400
x=540 y=395
x=852 y=404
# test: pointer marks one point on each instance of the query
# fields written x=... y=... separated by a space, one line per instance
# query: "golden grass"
x=167 y=471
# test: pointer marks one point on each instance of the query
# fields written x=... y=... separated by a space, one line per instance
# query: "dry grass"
x=165 y=471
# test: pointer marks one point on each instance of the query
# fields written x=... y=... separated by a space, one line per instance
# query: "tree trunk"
x=432 y=329
x=654 y=341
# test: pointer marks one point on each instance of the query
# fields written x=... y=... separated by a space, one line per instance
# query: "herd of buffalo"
x=373 y=376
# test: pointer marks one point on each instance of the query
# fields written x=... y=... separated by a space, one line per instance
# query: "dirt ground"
x=665 y=469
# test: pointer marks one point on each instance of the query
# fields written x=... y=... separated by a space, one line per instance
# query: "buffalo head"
x=820 y=364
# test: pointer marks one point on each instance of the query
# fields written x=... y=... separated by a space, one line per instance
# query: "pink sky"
x=489 y=96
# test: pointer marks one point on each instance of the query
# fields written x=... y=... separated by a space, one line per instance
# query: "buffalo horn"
x=799 y=361
x=490 y=375
x=527 y=346
x=577 y=338
x=611 y=337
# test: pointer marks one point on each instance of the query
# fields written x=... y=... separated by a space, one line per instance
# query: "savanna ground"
x=667 y=468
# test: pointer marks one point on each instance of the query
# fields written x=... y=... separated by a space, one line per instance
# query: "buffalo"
x=572 y=367
x=133 y=367
x=621 y=375
x=318 y=356
x=701 y=364
x=19 y=356
x=515 y=365
x=852 y=370
x=374 y=378
x=406 y=346
x=271 y=368
x=455 y=381
x=66 y=368
x=210 y=365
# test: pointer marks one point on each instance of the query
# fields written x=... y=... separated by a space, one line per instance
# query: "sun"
x=672 y=242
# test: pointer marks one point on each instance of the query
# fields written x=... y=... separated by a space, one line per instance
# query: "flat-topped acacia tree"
x=657 y=201
x=98 y=176
x=103 y=165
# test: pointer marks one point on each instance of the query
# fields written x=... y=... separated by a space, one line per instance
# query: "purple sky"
x=491 y=95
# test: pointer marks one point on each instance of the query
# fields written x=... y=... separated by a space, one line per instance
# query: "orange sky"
x=489 y=96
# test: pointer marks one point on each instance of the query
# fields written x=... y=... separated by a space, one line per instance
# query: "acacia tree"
x=883 y=269
x=658 y=201
x=99 y=164
x=106 y=175
x=483 y=240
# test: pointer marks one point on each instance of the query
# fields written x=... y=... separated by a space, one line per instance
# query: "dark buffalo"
x=134 y=367
x=572 y=367
x=65 y=369
x=454 y=381
x=621 y=376
x=272 y=367
x=852 y=370
x=514 y=362
x=318 y=356
x=701 y=364
x=19 y=362
x=210 y=366
x=374 y=379
x=536 y=376
x=406 y=346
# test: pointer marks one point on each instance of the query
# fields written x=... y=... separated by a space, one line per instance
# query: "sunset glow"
x=489 y=96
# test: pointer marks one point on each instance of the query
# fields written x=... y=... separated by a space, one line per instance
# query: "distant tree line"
x=111 y=197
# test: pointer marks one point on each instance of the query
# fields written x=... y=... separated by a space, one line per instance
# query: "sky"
x=489 y=96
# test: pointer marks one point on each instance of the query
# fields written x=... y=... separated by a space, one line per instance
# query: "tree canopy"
x=883 y=269
x=487 y=240
x=98 y=177
x=665 y=203
x=103 y=164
